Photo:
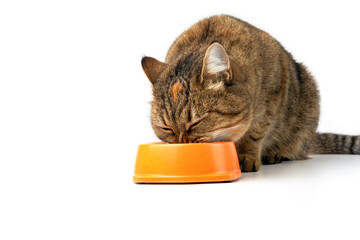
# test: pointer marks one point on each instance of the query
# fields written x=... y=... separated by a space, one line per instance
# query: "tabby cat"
x=225 y=80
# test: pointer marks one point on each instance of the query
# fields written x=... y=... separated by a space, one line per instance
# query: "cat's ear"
x=216 y=61
x=152 y=68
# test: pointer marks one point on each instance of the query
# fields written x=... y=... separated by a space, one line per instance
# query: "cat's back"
x=233 y=33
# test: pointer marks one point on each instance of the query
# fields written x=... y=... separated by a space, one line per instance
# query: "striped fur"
x=226 y=80
x=329 y=143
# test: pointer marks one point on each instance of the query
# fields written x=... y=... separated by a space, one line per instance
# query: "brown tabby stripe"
x=298 y=72
x=255 y=139
x=353 y=140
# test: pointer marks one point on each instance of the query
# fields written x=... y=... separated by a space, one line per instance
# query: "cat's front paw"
x=249 y=163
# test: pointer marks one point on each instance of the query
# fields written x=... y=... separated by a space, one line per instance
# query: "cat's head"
x=199 y=97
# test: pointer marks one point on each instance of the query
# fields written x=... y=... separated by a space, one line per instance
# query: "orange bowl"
x=186 y=163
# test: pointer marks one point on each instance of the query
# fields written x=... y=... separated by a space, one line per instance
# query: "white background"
x=74 y=106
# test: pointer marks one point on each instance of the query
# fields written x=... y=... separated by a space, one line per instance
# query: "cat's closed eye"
x=168 y=130
x=192 y=126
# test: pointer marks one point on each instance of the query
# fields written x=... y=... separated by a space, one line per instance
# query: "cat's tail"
x=329 y=143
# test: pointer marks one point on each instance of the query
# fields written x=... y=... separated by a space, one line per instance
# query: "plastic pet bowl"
x=186 y=163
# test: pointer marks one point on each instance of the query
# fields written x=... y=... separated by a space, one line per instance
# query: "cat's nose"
x=183 y=138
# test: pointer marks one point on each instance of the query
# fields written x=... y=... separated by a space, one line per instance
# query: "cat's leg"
x=249 y=154
x=249 y=147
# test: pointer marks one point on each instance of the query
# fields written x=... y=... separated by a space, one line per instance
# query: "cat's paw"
x=249 y=163
x=272 y=159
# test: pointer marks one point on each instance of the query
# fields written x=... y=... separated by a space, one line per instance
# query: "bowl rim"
x=185 y=144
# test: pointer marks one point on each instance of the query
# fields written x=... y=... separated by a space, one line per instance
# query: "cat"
x=226 y=80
